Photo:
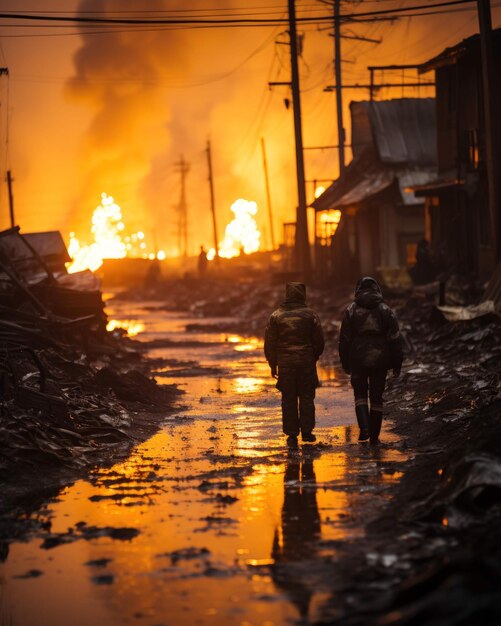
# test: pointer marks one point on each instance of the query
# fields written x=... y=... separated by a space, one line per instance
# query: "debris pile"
x=435 y=556
x=72 y=393
x=439 y=554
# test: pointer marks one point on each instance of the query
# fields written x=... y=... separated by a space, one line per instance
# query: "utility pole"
x=182 y=233
x=491 y=93
x=339 y=84
x=268 y=196
x=212 y=202
x=5 y=71
x=11 y=199
x=302 y=244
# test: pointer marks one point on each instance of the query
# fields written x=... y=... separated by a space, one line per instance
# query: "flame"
x=241 y=234
x=133 y=327
x=327 y=224
x=109 y=242
x=332 y=217
x=319 y=191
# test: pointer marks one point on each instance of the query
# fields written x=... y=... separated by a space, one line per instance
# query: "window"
x=327 y=223
x=475 y=148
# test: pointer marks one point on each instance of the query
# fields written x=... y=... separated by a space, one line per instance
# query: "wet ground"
x=213 y=520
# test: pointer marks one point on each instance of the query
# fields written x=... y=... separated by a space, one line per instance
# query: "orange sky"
x=113 y=111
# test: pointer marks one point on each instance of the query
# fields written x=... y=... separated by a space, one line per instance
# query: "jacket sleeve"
x=317 y=337
x=345 y=341
x=395 y=342
x=271 y=342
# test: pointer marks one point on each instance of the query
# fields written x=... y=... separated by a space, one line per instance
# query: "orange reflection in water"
x=245 y=344
x=133 y=327
x=288 y=504
x=248 y=384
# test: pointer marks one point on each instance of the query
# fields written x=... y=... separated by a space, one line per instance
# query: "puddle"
x=213 y=520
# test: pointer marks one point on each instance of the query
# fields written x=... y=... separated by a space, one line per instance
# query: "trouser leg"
x=290 y=415
x=377 y=380
x=359 y=382
x=307 y=382
x=307 y=411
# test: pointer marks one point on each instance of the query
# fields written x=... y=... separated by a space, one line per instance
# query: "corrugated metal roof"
x=369 y=185
x=364 y=183
x=362 y=165
x=404 y=130
x=393 y=140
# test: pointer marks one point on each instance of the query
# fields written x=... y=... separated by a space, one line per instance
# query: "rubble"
x=415 y=564
x=443 y=518
x=446 y=510
x=72 y=394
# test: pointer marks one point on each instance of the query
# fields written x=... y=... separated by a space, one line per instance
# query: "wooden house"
x=457 y=208
x=369 y=219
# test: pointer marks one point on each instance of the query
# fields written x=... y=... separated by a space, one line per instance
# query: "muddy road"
x=212 y=520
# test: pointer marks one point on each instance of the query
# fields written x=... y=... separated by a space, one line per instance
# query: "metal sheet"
x=404 y=130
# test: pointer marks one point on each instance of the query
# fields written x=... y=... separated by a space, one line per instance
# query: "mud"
x=214 y=521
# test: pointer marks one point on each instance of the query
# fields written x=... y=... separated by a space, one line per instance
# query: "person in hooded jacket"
x=293 y=342
x=369 y=345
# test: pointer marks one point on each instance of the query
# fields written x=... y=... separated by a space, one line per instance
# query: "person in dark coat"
x=293 y=342
x=369 y=345
x=202 y=262
x=424 y=271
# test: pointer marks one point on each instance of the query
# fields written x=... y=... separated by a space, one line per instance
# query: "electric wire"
x=80 y=19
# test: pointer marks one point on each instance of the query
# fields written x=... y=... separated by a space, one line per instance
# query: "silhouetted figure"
x=300 y=532
x=369 y=345
x=202 y=262
x=424 y=271
x=153 y=274
x=293 y=342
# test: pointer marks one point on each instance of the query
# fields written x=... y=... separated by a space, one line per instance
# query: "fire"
x=319 y=191
x=241 y=234
x=132 y=327
x=327 y=223
x=110 y=242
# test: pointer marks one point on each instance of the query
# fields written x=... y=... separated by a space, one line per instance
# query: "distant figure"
x=293 y=342
x=153 y=274
x=424 y=271
x=369 y=345
x=202 y=262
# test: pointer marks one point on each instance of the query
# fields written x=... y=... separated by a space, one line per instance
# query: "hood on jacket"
x=295 y=293
x=368 y=293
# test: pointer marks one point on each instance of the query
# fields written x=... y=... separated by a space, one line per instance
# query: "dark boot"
x=375 y=420
x=309 y=437
x=362 y=411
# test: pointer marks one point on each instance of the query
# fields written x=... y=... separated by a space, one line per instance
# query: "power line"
x=79 y=19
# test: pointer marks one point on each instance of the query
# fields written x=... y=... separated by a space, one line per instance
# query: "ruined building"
x=457 y=200
x=380 y=218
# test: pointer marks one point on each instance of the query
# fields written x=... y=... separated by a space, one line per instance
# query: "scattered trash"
x=462 y=313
